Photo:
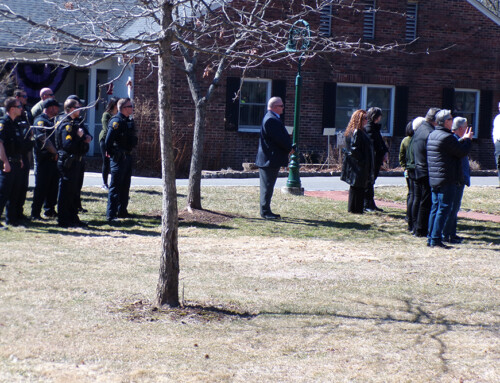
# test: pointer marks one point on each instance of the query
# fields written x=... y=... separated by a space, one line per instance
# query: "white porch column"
x=91 y=112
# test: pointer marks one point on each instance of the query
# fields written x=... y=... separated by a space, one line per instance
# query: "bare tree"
x=238 y=32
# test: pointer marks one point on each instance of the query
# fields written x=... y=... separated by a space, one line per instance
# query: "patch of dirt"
x=188 y=312
x=199 y=216
x=204 y=216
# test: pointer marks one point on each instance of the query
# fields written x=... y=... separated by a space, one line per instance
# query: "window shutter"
x=279 y=90
x=485 y=114
x=448 y=98
x=232 y=107
x=411 y=21
x=329 y=103
x=400 y=111
x=369 y=19
x=325 y=21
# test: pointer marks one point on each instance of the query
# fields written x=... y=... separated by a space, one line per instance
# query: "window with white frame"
x=253 y=103
x=351 y=97
x=467 y=105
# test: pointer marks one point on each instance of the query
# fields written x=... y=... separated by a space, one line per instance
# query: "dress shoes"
x=79 y=223
x=51 y=213
x=453 y=239
x=270 y=216
x=441 y=245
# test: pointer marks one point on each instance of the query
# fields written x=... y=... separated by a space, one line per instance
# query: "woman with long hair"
x=111 y=110
x=357 y=169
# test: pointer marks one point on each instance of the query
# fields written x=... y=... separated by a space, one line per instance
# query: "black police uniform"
x=24 y=121
x=86 y=132
x=120 y=140
x=11 y=182
x=70 y=150
x=46 y=173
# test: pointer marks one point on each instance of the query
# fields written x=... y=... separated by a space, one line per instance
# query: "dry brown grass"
x=76 y=307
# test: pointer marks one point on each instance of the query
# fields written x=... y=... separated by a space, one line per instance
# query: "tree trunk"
x=194 y=186
x=167 y=291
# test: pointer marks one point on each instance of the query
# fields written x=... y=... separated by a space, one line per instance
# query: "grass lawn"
x=320 y=296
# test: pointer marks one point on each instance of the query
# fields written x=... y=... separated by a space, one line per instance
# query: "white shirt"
x=496 y=129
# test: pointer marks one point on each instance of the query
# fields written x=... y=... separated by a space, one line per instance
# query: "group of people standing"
x=434 y=156
x=58 y=143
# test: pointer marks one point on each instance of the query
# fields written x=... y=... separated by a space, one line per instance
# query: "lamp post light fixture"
x=298 y=40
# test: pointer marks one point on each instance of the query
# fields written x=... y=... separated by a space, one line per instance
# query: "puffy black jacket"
x=419 y=147
x=444 y=153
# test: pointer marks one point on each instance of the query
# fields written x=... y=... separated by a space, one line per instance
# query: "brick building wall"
x=463 y=53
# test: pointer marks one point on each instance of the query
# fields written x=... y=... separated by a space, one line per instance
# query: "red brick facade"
x=464 y=53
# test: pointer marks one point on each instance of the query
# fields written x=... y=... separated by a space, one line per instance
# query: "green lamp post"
x=298 y=40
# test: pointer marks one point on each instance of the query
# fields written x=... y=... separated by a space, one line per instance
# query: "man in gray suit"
x=274 y=147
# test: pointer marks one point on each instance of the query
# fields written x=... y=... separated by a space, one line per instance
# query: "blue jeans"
x=442 y=199
x=450 y=225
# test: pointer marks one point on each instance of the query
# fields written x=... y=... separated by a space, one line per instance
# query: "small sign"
x=329 y=131
x=289 y=129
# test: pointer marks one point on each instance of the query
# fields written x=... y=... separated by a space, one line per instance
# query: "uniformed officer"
x=88 y=139
x=24 y=121
x=11 y=157
x=70 y=149
x=121 y=139
x=46 y=173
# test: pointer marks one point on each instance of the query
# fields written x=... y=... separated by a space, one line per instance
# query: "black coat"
x=419 y=147
x=444 y=153
x=379 y=146
x=274 y=143
x=358 y=165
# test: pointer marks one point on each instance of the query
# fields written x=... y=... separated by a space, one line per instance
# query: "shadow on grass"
x=204 y=225
x=476 y=231
x=325 y=223
x=154 y=192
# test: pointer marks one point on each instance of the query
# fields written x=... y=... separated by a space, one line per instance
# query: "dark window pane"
x=348 y=101
x=380 y=97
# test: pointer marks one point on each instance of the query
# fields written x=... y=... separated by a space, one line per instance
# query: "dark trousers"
x=80 y=183
x=10 y=187
x=410 y=198
x=370 y=191
x=46 y=186
x=421 y=206
x=355 y=203
x=268 y=177
x=105 y=163
x=119 y=188
x=25 y=179
x=67 y=209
